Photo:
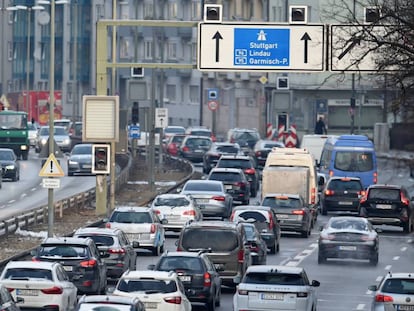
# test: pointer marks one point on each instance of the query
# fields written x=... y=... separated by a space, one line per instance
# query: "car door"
x=130 y=254
x=70 y=290
x=101 y=264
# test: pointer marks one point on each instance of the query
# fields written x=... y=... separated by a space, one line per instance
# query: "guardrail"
x=40 y=214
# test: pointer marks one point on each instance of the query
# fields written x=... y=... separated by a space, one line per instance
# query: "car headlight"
x=43 y=141
x=10 y=167
x=66 y=141
x=71 y=162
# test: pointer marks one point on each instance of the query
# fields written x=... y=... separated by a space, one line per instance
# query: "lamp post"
x=29 y=13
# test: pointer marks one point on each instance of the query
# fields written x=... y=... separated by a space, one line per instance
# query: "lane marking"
x=11 y=201
x=33 y=189
x=379 y=278
x=361 y=306
x=396 y=258
x=388 y=267
x=403 y=249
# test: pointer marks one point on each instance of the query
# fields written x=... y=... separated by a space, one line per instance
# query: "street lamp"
x=29 y=10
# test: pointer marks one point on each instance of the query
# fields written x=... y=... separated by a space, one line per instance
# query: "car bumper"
x=387 y=221
x=80 y=169
x=347 y=251
x=215 y=211
x=347 y=205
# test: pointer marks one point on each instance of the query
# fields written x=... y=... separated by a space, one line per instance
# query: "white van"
x=314 y=144
x=290 y=158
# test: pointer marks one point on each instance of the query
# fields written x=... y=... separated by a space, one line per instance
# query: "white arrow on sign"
x=261 y=47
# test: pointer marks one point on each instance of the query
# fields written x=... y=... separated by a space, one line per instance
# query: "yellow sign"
x=51 y=168
x=4 y=101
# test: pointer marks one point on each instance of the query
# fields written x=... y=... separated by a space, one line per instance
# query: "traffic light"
x=135 y=113
x=213 y=13
x=298 y=14
x=372 y=14
x=101 y=155
x=282 y=83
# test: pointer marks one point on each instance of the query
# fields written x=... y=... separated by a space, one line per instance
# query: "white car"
x=176 y=209
x=40 y=284
x=158 y=290
x=140 y=224
x=270 y=287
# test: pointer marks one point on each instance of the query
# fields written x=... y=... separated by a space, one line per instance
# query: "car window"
x=384 y=194
x=131 y=217
x=252 y=215
x=60 y=131
x=64 y=251
x=206 y=238
x=344 y=185
x=234 y=163
x=201 y=133
x=274 y=278
x=180 y=263
x=171 y=201
x=227 y=149
x=177 y=139
x=81 y=149
x=225 y=176
x=282 y=202
x=148 y=286
x=398 y=286
x=99 y=240
x=202 y=187
x=343 y=224
x=24 y=273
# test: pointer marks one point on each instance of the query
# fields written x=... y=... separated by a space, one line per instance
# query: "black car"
x=348 y=237
x=109 y=303
x=114 y=247
x=216 y=150
x=262 y=148
x=247 y=164
x=341 y=194
x=80 y=258
x=10 y=167
x=388 y=205
x=235 y=183
x=193 y=148
x=258 y=247
x=197 y=273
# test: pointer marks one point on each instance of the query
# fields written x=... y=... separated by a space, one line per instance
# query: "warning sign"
x=51 y=168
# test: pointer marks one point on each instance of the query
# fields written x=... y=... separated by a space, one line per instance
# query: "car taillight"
x=240 y=256
x=232 y=140
x=258 y=153
x=190 y=212
x=153 y=228
x=363 y=199
x=329 y=192
x=271 y=221
x=367 y=238
x=375 y=177
x=219 y=198
x=55 y=290
x=298 y=212
x=362 y=193
x=35 y=259
x=240 y=184
x=254 y=247
x=207 y=279
x=10 y=289
x=116 y=251
x=88 y=263
x=175 y=300
x=185 y=149
x=383 y=298
x=250 y=171
x=404 y=200
x=179 y=249
x=107 y=225
x=313 y=196
x=242 y=292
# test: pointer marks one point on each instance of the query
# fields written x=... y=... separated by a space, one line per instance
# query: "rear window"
x=252 y=215
x=227 y=149
x=177 y=139
x=215 y=239
x=282 y=202
x=201 y=133
x=149 y=286
x=100 y=240
x=234 y=163
x=174 y=202
x=398 y=286
x=246 y=136
x=345 y=185
x=270 y=146
x=180 y=263
x=131 y=217
x=76 y=251
x=198 y=142
x=222 y=176
x=25 y=273
x=104 y=306
x=202 y=187
x=274 y=278
x=384 y=194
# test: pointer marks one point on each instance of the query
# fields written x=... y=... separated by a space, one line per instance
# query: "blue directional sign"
x=134 y=131
x=260 y=47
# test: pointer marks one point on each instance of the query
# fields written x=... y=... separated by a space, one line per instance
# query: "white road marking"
x=379 y=278
x=396 y=258
x=410 y=241
x=11 y=201
x=368 y=292
x=403 y=249
x=361 y=306
x=388 y=267
x=33 y=189
x=23 y=195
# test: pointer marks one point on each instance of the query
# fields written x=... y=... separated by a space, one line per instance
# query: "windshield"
x=350 y=161
x=28 y=273
x=44 y=131
x=100 y=240
x=384 y=194
x=225 y=176
x=228 y=149
x=13 y=121
x=180 y=263
x=340 y=185
x=399 y=286
x=149 y=286
x=284 y=202
x=6 y=156
x=208 y=238
x=234 y=163
x=202 y=187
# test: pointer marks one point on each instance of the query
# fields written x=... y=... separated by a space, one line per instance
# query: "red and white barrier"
x=292 y=138
x=269 y=130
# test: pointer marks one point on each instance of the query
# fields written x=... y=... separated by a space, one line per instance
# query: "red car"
x=173 y=144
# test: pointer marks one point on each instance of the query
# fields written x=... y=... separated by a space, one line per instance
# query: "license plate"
x=202 y=201
x=347 y=248
x=27 y=292
x=344 y=203
x=87 y=166
x=185 y=278
x=404 y=307
x=150 y=305
x=282 y=216
x=228 y=187
x=384 y=206
x=68 y=268
x=272 y=296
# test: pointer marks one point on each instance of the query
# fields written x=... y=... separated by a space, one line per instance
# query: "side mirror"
x=164 y=221
x=33 y=252
x=236 y=279
x=373 y=288
x=315 y=283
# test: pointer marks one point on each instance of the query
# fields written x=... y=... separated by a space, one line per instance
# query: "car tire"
x=156 y=250
x=324 y=211
x=218 y=299
x=211 y=305
x=321 y=258
x=374 y=259
x=253 y=192
x=273 y=249
x=407 y=226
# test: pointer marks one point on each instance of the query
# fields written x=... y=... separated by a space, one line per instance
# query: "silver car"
x=61 y=137
x=176 y=209
x=140 y=224
x=269 y=287
x=211 y=196
x=80 y=160
x=394 y=292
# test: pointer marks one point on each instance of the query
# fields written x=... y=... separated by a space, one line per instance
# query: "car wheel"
x=162 y=248
x=156 y=250
x=321 y=258
x=15 y=177
x=218 y=299
x=253 y=192
x=407 y=226
x=25 y=156
x=211 y=305
x=324 y=211
x=273 y=249
x=374 y=259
